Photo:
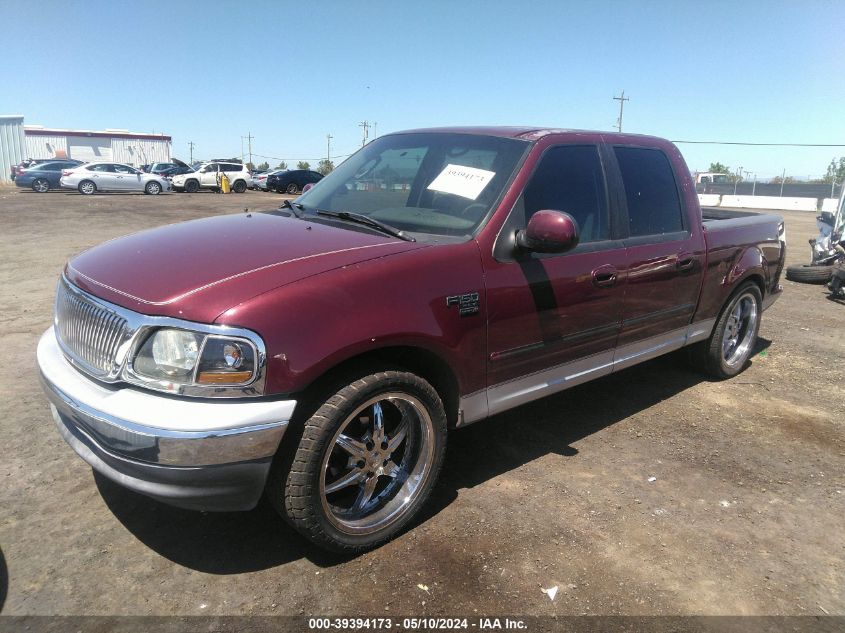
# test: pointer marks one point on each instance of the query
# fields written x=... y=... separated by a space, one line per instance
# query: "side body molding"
x=507 y=395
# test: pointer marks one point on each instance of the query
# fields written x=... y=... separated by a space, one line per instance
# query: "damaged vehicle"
x=827 y=249
x=320 y=354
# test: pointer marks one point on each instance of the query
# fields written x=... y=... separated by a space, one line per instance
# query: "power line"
x=298 y=159
x=763 y=144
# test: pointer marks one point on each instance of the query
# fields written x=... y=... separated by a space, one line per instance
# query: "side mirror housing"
x=548 y=231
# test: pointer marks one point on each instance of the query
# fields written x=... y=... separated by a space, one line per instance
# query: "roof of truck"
x=524 y=132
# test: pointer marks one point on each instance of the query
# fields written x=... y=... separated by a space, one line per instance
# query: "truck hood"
x=197 y=270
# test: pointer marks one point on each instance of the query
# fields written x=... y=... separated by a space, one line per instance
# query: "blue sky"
x=292 y=72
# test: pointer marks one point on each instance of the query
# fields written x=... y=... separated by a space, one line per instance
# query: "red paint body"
x=320 y=295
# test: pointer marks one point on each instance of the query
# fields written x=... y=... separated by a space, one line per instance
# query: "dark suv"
x=292 y=181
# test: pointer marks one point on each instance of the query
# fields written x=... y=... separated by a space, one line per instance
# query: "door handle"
x=604 y=277
x=685 y=261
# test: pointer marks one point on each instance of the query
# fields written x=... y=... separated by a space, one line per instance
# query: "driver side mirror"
x=548 y=231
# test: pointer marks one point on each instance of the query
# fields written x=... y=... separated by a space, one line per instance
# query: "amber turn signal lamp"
x=223 y=377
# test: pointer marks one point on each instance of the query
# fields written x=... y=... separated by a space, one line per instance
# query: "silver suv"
x=208 y=175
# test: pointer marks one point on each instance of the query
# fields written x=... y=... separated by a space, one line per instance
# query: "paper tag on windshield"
x=467 y=182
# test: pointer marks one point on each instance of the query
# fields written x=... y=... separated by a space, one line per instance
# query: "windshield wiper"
x=367 y=221
x=293 y=206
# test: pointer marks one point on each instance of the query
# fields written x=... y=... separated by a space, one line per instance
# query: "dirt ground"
x=744 y=516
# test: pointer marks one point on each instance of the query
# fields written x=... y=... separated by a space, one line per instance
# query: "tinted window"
x=124 y=169
x=570 y=178
x=230 y=167
x=50 y=166
x=100 y=167
x=651 y=192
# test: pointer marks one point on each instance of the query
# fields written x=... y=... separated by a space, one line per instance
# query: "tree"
x=325 y=166
x=303 y=164
x=282 y=165
x=719 y=168
x=263 y=166
x=835 y=171
x=250 y=166
x=787 y=181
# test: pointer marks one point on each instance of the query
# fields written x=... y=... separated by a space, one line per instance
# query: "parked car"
x=29 y=162
x=42 y=177
x=206 y=176
x=259 y=181
x=93 y=177
x=292 y=181
x=321 y=353
x=174 y=168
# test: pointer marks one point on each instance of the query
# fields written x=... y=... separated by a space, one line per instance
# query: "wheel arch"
x=750 y=266
x=423 y=362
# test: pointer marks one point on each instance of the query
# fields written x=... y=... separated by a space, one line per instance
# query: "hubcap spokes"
x=739 y=330
x=376 y=464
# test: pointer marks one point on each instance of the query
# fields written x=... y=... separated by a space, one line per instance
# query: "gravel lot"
x=745 y=515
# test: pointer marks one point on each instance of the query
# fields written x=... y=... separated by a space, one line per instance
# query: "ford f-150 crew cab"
x=320 y=353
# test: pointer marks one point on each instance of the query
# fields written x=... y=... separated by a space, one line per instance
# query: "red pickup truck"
x=320 y=353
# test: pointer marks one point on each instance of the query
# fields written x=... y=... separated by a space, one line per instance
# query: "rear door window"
x=651 y=192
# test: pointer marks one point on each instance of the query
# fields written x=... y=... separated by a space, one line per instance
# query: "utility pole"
x=375 y=130
x=782 y=179
x=249 y=142
x=191 y=145
x=621 y=99
x=737 y=178
x=329 y=138
x=365 y=127
x=754 y=187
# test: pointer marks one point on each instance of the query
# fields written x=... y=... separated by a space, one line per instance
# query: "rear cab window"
x=651 y=192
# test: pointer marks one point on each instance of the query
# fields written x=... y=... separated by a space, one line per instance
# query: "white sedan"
x=93 y=177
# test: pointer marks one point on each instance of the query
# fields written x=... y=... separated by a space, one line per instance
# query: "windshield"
x=438 y=183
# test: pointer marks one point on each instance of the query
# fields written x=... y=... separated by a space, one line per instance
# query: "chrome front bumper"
x=201 y=454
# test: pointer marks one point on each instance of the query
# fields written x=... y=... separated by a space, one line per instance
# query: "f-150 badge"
x=468 y=303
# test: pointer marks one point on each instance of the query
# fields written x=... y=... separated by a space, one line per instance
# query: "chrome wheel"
x=740 y=330
x=41 y=185
x=153 y=188
x=87 y=187
x=377 y=463
x=292 y=188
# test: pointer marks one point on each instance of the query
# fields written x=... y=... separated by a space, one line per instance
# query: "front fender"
x=317 y=323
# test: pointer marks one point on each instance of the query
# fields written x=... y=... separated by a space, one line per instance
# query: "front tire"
x=153 y=188
x=87 y=188
x=192 y=186
x=732 y=342
x=40 y=185
x=292 y=188
x=366 y=463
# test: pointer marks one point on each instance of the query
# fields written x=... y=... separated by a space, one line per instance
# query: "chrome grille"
x=89 y=333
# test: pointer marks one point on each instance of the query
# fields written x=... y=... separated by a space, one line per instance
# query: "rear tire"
x=809 y=274
x=292 y=188
x=87 y=188
x=366 y=463
x=239 y=186
x=40 y=185
x=726 y=352
x=192 y=186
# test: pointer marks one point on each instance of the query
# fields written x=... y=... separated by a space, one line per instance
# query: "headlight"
x=171 y=359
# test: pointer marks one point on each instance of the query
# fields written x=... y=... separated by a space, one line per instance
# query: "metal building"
x=119 y=146
x=12 y=145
